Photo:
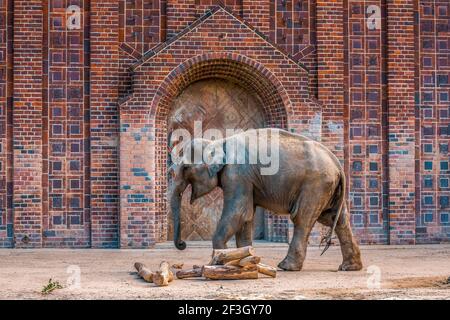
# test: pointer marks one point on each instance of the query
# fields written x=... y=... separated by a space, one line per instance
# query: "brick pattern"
x=140 y=23
x=365 y=134
x=104 y=123
x=259 y=14
x=432 y=122
x=330 y=59
x=292 y=30
x=66 y=184
x=6 y=165
x=401 y=119
x=383 y=104
x=163 y=74
x=181 y=13
x=27 y=119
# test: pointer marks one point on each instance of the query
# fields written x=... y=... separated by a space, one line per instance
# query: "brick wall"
x=27 y=119
x=432 y=120
x=83 y=134
x=330 y=60
x=104 y=123
x=259 y=14
x=160 y=77
x=401 y=119
x=6 y=147
x=66 y=127
x=365 y=118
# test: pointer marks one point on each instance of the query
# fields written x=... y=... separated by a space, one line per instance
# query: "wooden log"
x=222 y=256
x=163 y=276
x=267 y=270
x=249 y=261
x=230 y=272
x=177 y=266
x=189 y=273
x=233 y=263
x=144 y=272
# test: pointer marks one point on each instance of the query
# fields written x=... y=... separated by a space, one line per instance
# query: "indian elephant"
x=309 y=186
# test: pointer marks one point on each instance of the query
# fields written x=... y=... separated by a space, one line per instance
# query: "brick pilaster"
x=401 y=119
x=104 y=123
x=27 y=120
x=330 y=56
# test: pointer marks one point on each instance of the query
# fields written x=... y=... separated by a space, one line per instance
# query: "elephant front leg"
x=236 y=217
x=229 y=225
x=244 y=237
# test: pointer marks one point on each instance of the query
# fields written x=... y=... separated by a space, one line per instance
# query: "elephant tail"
x=338 y=207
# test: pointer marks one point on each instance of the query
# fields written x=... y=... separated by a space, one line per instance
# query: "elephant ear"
x=216 y=158
x=214 y=169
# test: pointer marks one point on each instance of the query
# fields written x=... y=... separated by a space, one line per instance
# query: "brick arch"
x=245 y=71
x=248 y=73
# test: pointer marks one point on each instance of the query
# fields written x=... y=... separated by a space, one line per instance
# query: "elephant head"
x=202 y=176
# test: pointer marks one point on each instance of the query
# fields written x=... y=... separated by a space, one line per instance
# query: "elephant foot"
x=350 y=266
x=290 y=264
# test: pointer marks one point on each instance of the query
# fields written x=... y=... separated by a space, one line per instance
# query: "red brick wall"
x=27 y=119
x=6 y=146
x=180 y=13
x=66 y=131
x=401 y=119
x=330 y=60
x=84 y=163
x=258 y=14
x=104 y=123
x=161 y=77
x=365 y=119
x=432 y=120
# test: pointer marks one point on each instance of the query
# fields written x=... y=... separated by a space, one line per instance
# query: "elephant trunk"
x=175 y=205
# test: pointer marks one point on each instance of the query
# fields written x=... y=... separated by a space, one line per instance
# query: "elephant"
x=309 y=186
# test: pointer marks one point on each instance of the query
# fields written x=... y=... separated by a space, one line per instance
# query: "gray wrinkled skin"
x=309 y=186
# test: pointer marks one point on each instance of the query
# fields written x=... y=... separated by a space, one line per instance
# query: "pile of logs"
x=161 y=278
x=225 y=264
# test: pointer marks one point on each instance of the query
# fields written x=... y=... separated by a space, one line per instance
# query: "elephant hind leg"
x=307 y=214
x=349 y=248
x=244 y=237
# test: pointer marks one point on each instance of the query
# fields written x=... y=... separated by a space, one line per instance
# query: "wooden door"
x=222 y=105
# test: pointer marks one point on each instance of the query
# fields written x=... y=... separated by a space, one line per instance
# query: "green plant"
x=52 y=285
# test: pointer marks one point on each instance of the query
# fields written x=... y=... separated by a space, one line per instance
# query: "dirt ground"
x=404 y=272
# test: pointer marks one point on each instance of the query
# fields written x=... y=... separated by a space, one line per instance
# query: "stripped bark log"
x=222 y=272
x=144 y=272
x=249 y=261
x=267 y=270
x=189 y=273
x=163 y=276
x=177 y=265
x=233 y=263
x=222 y=256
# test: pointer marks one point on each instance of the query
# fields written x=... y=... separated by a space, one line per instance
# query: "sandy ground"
x=410 y=272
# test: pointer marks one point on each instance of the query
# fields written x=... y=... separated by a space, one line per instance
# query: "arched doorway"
x=252 y=79
x=218 y=104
